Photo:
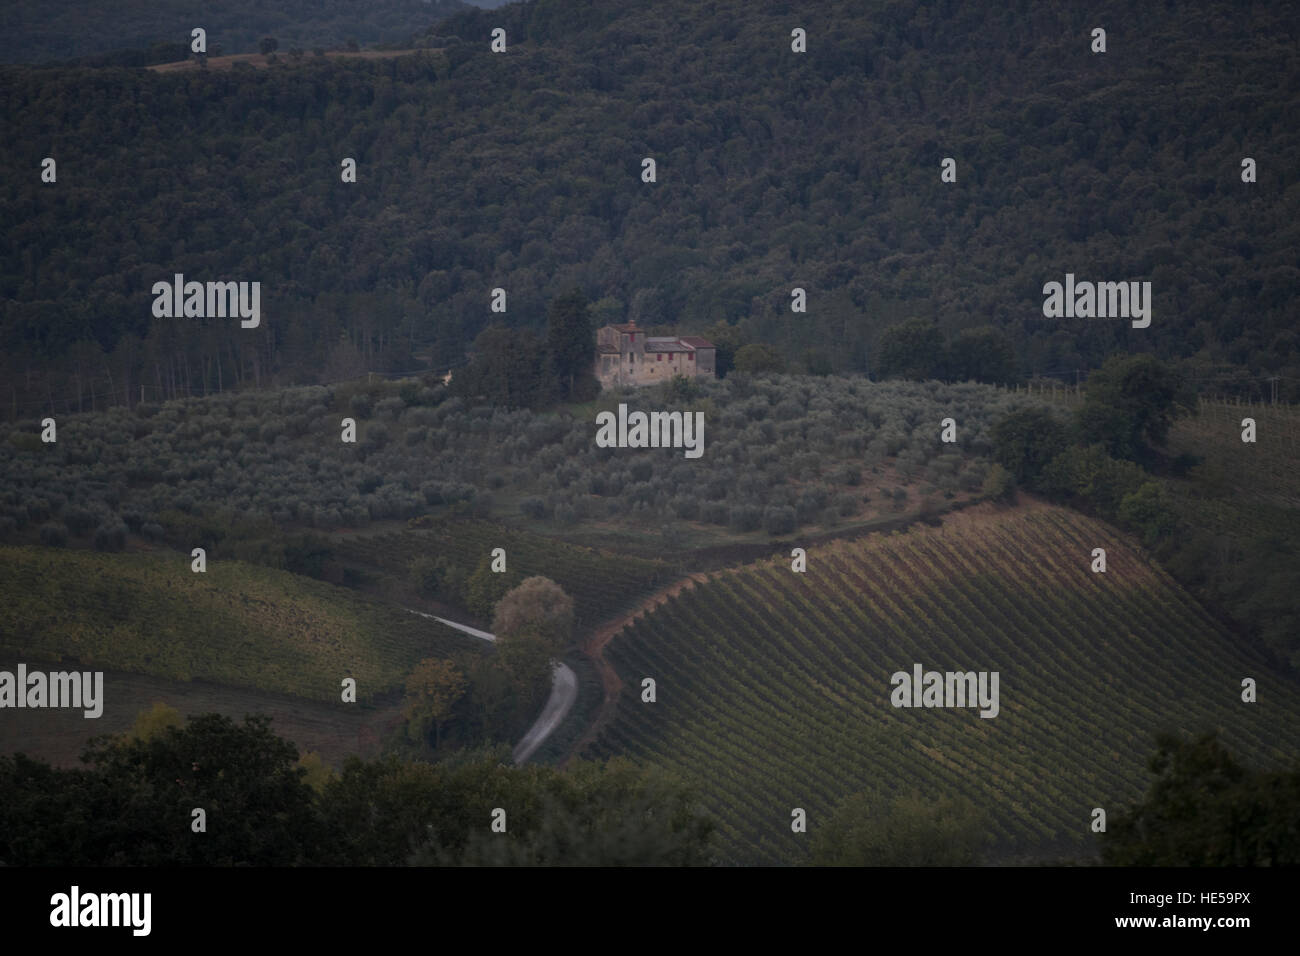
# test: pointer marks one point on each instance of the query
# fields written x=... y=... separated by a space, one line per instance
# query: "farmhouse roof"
x=666 y=344
x=695 y=342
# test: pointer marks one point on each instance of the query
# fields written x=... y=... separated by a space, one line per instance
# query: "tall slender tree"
x=571 y=343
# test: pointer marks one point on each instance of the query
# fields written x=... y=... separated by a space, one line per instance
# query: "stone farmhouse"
x=625 y=355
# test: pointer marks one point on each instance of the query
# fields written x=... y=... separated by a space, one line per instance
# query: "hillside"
x=67 y=29
x=236 y=624
x=774 y=687
x=775 y=170
x=780 y=454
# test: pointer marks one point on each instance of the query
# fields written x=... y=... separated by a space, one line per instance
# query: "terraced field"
x=774 y=687
x=236 y=624
x=600 y=583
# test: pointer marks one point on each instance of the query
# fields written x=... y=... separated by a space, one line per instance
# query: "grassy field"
x=236 y=624
x=333 y=730
x=774 y=687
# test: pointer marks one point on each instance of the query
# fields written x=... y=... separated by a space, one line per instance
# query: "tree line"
x=133 y=804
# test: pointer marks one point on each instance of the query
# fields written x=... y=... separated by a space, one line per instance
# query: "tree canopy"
x=776 y=171
x=1205 y=809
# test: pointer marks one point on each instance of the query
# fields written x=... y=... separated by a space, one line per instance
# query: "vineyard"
x=774 y=687
x=600 y=583
x=236 y=624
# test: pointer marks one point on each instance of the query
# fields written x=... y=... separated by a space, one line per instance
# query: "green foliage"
x=1206 y=809
x=1148 y=511
x=982 y=355
x=1025 y=441
x=1130 y=405
x=869 y=829
x=1091 y=476
x=533 y=624
x=428 y=574
x=758 y=358
x=913 y=349
x=999 y=485
x=727 y=339
x=817 y=362
x=510 y=368
x=132 y=805
x=155 y=721
x=537 y=608
x=571 y=343
x=260 y=477
x=26 y=441
x=486 y=587
x=120 y=34
x=433 y=689
x=743 y=223
x=590 y=815
x=317 y=774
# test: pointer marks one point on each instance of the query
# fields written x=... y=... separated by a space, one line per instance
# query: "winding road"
x=564 y=691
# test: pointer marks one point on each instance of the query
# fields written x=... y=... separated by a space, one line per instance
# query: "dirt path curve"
x=594 y=649
x=564 y=691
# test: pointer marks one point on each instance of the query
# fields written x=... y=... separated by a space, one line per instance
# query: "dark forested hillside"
x=64 y=29
x=774 y=170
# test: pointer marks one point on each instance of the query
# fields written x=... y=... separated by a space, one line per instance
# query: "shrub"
x=533 y=508
x=1025 y=441
x=1149 y=511
x=999 y=484
x=427 y=574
